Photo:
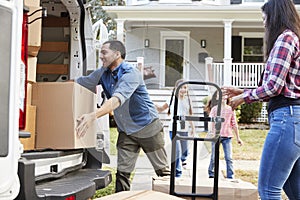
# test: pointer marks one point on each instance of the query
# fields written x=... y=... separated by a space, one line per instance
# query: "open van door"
x=11 y=15
x=48 y=173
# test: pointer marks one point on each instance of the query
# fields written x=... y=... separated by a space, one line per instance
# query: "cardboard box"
x=29 y=143
x=59 y=104
x=228 y=190
x=31 y=69
x=53 y=21
x=34 y=3
x=55 y=47
x=34 y=31
x=29 y=93
x=138 y=195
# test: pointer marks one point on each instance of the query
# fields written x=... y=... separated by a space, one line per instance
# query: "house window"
x=253 y=50
x=252 y=46
x=296 y=1
x=263 y=1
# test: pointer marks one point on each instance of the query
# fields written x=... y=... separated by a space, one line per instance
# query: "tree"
x=98 y=13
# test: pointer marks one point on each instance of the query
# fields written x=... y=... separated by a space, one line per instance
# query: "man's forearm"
x=108 y=107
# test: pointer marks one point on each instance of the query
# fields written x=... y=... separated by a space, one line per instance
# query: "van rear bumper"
x=80 y=183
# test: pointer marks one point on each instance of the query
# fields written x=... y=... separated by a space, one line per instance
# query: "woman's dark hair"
x=117 y=45
x=211 y=102
x=280 y=15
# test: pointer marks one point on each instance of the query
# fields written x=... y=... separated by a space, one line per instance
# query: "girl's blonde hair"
x=173 y=92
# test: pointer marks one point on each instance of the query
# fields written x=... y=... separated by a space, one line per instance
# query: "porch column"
x=227 y=51
x=208 y=69
x=120 y=29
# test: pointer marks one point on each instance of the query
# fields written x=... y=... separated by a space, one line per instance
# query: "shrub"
x=250 y=112
x=238 y=113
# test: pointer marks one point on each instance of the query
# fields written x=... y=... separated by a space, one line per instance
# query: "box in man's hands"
x=59 y=104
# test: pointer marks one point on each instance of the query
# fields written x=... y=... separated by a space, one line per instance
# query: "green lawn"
x=251 y=150
x=253 y=140
x=113 y=140
x=253 y=144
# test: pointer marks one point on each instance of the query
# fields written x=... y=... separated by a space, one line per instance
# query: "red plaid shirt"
x=282 y=71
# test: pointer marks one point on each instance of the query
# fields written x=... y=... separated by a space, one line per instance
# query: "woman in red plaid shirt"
x=280 y=86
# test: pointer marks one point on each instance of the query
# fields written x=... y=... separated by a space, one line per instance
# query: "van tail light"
x=71 y=198
x=23 y=77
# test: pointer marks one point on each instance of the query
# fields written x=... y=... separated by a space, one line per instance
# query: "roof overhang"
x=190 y=15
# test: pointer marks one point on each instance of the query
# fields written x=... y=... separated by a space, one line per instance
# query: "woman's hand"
x=236 y=101
x=229 y=91
x=234 y=94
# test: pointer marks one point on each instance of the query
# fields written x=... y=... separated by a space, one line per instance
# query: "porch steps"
x=161 y=96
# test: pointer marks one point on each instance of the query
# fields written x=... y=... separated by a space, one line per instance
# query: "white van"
x=44 y=173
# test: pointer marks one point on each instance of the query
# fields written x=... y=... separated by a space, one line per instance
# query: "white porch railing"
x=246 y=75
x=243 y=75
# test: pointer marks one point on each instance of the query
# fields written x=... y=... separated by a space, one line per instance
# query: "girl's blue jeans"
x=181 y=152
x=227 y=148
x=280 y=163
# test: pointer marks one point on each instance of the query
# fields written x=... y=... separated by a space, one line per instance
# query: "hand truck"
x=216 y=139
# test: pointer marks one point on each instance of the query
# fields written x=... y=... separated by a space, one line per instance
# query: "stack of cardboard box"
x=53 y=107
x=34 y=28
x=34 y=44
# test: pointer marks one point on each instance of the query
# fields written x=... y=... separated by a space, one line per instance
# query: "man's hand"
x=84 y=123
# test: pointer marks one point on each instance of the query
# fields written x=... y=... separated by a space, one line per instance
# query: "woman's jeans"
x=181 y=152
x=227 y=148
x=280 y=163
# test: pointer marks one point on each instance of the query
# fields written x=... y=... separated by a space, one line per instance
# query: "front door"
x=174 y=57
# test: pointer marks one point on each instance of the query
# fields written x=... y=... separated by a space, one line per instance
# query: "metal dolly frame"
x=218 y=120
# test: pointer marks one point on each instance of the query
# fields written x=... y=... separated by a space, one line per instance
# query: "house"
x=219 y=41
